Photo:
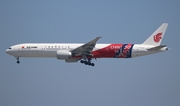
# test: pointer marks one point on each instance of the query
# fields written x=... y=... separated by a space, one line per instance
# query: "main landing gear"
x=17 y=60
x=87 y=62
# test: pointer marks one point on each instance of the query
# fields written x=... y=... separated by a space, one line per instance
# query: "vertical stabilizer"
x=156 y=38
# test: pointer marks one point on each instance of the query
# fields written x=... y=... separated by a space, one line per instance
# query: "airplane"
x=74 y=52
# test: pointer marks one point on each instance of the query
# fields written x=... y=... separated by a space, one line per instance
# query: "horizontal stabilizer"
x=157 y=47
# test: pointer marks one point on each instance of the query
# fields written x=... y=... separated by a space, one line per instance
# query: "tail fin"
x=156 y=38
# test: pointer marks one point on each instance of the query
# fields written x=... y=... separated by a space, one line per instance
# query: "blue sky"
x=144 y=81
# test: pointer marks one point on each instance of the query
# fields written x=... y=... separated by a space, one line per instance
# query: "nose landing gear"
x=17 y=60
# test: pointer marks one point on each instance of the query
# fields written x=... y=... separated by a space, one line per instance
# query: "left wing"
x=86 y=48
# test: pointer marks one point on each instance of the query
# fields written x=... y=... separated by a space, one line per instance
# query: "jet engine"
x=63 y=54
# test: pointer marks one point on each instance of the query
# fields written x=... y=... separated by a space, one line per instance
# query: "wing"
x=85 y=49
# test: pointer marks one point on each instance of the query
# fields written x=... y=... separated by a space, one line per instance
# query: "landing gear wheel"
x=82 y=61
x=87 y=62
x=18 y=62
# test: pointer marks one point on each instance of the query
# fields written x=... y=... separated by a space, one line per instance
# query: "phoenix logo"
x=157 y=37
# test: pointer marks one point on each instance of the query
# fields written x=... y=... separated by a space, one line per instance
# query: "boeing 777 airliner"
x=74 y=52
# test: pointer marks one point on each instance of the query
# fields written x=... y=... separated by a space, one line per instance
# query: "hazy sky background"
x=152 y=80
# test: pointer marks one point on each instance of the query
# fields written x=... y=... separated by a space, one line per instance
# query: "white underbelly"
x=36 y=53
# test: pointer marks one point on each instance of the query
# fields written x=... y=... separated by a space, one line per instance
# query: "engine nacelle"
x=63 y=54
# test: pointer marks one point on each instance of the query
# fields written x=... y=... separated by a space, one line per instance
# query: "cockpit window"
x=9 y=48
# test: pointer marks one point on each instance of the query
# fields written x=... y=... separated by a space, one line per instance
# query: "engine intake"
x=63 y=54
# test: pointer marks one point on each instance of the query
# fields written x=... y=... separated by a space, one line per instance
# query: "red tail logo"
x=157 y=37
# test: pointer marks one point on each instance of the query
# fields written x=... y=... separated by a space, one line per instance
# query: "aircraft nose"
x=7 y=51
